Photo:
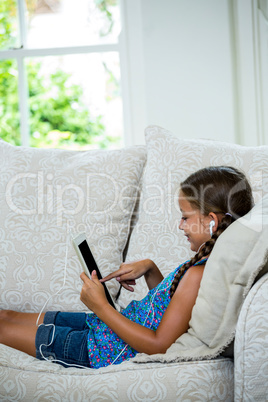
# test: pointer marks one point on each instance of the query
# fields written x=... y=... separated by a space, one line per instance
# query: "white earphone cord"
x=53 y=325
x=64 y=281
x=151 y=305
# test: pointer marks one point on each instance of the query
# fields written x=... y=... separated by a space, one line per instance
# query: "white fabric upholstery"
x=251 y=346
x=169 y=161
x=45 y=195
x=23 y=378
x=227 y=278
x=32 y=251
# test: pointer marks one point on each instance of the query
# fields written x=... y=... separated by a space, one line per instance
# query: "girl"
x=210 y=200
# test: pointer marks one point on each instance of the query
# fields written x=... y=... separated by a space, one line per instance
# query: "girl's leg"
x=18 y=330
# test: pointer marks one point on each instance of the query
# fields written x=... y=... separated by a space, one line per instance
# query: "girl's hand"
x=129 y=272
x=92 y=293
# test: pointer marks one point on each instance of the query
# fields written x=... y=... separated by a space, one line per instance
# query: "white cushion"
x=24 y=378
x=170 y=160
x=45 y=194
x=239 y=254
x=238 y=257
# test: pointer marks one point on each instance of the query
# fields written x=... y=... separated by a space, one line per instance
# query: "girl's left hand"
x=92 y=293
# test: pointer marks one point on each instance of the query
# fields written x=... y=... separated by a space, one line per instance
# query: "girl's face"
x=193 y=223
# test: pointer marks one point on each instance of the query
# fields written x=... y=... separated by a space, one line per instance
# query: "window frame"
x=19 y=54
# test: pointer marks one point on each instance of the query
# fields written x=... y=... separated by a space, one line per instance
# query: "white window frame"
x=19 y=54
x=251 y=34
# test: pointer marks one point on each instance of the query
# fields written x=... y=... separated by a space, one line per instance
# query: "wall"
x=185 y=67
x=251 y=35
x=188 y=67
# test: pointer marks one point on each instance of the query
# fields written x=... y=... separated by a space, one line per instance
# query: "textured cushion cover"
x=24 y=378
x=239 y=255
x=44 y=196
x=170 y=160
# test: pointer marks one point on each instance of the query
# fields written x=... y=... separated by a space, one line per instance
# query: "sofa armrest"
x=251 y=345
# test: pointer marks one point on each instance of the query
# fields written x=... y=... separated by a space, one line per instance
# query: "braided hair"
x=223 y=190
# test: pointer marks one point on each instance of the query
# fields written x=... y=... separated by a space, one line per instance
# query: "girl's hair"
x=220 y=189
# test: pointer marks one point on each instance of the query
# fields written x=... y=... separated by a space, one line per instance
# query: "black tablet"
x=88 y=262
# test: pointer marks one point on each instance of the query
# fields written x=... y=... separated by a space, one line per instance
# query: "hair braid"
x=205 y=251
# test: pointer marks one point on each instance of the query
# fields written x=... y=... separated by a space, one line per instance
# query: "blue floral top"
x=105 y=347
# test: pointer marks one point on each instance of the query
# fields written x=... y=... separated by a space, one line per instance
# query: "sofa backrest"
x=45 y=196
x=170 y=160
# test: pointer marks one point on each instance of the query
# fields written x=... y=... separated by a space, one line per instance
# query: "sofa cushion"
x=170 y=160
x=24 y=378
x=238 y=258
x=46 y=194
x=240 y=253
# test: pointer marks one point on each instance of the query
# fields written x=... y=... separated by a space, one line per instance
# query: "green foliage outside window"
x=8 y=24
x=103 y=6
x=58 y=115
x=9 y=107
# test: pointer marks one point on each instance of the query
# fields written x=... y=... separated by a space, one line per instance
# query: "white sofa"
x=126 y=202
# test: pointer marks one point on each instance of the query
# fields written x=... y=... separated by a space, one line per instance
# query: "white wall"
x=188 y=67
x=183 y=68
x=251 y=34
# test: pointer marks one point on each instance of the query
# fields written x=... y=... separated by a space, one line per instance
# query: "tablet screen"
x=91 y=264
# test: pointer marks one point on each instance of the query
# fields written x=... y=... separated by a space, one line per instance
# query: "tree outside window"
x=74 y=98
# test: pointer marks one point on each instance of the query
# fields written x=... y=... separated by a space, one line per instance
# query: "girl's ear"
x=213 y=217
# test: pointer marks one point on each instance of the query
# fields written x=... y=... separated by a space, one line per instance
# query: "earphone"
x=211 y=226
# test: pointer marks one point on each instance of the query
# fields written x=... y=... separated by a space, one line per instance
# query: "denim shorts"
x=62 y=338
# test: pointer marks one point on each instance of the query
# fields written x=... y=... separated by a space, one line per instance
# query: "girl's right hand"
x=129 y=272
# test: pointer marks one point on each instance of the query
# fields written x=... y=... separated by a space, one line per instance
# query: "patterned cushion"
x=238 y=258
x=169 y=161
x=45 y=194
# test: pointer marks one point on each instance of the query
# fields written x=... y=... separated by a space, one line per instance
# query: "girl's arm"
x=174 y=323
x=129 y=272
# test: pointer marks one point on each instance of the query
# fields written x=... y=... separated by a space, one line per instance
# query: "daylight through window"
x=60 y=81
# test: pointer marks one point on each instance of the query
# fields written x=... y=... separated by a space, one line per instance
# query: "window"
x=60 y=79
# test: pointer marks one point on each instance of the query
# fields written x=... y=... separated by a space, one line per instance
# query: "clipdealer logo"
x=100 y=194
x=29 y=193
